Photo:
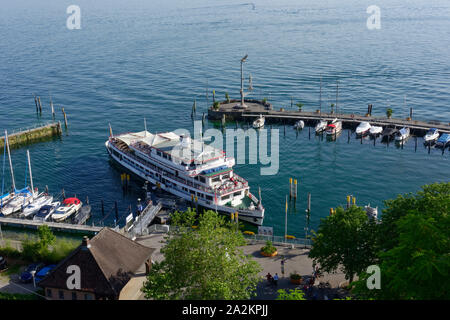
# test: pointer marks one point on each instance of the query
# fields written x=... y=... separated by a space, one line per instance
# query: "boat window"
x=209 y=197
x=237 y=193
x=226 y=197
x=202 y=179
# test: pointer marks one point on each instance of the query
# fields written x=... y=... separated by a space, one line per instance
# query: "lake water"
x=151 y=59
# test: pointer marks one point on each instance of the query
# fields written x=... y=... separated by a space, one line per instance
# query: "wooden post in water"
x=290 y=188
x=348 y=140
x=429 y=148
x=116 y=209
x=295 y=189
x=103 y=208
x=63 y=194
x=40 y=104
x=309 y=133
x=35 y=102
x=87 y=200
x=415 y=144
x=65 y=117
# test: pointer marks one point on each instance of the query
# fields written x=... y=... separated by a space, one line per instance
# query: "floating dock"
x=65 y=227
x=34 y=134
x=232 y=111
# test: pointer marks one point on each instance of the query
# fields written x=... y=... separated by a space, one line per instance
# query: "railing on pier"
x=259 y=238
x=141 y=222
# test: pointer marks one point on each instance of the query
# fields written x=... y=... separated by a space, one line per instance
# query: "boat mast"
x=145 y=126
x=3 y=174
x=10 y=162
x=337 y=94
x=31 y=175
x=320 y=97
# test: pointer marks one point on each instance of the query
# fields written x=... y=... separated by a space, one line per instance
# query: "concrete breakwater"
x=31 y=135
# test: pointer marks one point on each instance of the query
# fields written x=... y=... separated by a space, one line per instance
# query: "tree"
x=39 y=250
x=204 y=262
x=227 y=97
x=389 y=113
x=299 y=106
x=216 y=105
x=345 y=240
x=415 y=258
x=290 y=294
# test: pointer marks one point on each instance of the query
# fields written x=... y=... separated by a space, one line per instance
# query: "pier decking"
x=33 y=134
x=231 y=111
x=67 y=227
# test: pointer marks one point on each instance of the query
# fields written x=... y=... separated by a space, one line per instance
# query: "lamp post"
x=33 y=276
x=242 y=81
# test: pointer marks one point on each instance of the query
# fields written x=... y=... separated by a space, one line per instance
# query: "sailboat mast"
x=10 y=162
x=31 y=175
x=145 y=127
x=3 y=174
x=320 y=97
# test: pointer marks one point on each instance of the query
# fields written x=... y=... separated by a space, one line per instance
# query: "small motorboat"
x=66 y=209
x=259 y=123
x=389 y=133
x=402 y=134
x=22 y=198
x=431 y=136
x=334 y=128
x=363 y=128
x=321 y=126
x=372 y=213
x=46 y=211
x=299 y=125
x=39 y=202
x=375 y=130
x=443 y=141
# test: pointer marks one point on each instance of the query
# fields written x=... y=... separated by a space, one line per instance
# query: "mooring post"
x=309 y=133
x=65 y=117
x=46 y=189
x=429 y=148
x=103 y=208
x=410 y=113
x=63 y=194
x=415 y=144
x=295 y=189
x=40 y=105
x=348 y=139
x=290 y=188
x=116 y=209
x=35 y=102
x=87 y=200
x=374 y=140
x=361 y=139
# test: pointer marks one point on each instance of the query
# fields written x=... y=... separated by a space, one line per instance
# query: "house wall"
x=54 y=294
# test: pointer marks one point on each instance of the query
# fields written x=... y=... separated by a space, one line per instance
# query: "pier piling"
x=103 y=208
x=65 y=117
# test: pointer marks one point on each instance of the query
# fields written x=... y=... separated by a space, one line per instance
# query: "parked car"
x=3 y=264
x=26 y=276
x=44 y=272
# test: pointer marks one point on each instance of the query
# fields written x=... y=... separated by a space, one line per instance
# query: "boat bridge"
x=56 y=226
x=228 y=111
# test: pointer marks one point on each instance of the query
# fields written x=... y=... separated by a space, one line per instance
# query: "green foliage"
x=295 y=276
x=290 y=294
x=9 y=252
x=389 y=112
x=202 y=263
x=227 y=97
x=345 y=240
x=268 y=248
x=18 y=296
x=415 y=259
x=216 y=105
x=299 y=106
x=264 y=100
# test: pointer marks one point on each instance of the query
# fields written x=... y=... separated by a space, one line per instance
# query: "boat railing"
x=278 y=240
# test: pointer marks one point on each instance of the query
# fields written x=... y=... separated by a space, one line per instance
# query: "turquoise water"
x=150 y=59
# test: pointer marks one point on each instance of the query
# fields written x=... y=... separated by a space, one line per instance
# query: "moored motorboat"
x=443 y=140
x=402 y=134
x=46 y=211
x=334 y=128
x=66 y=209
x=259 y=123
x=321 y=126
x=388 y=133
x=40 y=201
x=300 y=124
x=431 y=136
x=372 y=213
x=375 y=130
x=363 y=128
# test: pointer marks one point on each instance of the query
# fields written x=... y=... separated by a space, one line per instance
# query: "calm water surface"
x=150 y=59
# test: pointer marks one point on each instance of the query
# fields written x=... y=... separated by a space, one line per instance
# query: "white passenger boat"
x=375 y=130
x=431 y=136
x=259 y=123
x=300 y=124
x=188 y=169
x=402 y=134
x=334 y=128
x=321 y=126
x=38 y=203
x=363 y=128
x=66 y=209
x=21 y=199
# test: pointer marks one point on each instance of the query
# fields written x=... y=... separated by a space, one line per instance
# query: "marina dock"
x=56 y=226
x=231 y=111
x=33 y=134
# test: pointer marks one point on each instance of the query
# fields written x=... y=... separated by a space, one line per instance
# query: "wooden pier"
x=33 y=134
x=233 y=111
x=64 y=227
